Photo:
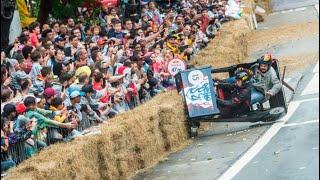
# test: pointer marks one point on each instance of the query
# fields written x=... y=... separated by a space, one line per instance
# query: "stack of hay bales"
x=128 y=142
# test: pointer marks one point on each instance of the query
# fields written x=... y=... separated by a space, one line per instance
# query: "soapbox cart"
x=199 y=93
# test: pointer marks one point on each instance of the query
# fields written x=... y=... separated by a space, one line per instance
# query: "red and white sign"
x=175 y=66
x=108 y=3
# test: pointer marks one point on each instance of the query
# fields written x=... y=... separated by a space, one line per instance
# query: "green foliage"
x=62 y=10
x=35 y=8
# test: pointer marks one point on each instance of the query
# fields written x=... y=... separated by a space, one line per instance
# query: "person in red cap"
x=24 y=128
x=49 y=93
x=23 y=124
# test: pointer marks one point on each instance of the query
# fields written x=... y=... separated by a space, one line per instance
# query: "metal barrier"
x=17 y=152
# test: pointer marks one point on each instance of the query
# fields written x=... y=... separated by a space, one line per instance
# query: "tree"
x=59 y=9
x=44 y=11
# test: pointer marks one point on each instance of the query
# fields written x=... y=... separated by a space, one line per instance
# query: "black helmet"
x=243 y=74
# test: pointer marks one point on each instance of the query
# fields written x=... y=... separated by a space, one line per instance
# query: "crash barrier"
x=16 y=152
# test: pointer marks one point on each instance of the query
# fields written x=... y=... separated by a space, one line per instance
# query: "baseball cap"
x=59 y=38
x=49 y=92
x=74 y=94
x=20 y=108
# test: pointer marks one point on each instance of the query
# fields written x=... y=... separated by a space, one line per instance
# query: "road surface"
x=280 y=5
x=293 y=149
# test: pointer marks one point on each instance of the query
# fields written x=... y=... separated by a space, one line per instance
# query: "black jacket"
x=240 y=99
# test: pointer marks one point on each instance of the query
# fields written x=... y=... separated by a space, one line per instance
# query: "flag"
x=24 y=13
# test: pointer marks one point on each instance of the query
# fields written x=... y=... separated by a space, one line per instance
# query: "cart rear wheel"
x=194 y=132
x=277 y=110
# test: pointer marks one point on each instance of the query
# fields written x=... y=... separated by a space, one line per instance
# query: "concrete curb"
x=293 y=82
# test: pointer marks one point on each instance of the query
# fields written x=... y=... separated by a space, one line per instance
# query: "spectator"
x=18 y=75
x=26 y=52
x=6 y=162
x=34 y=29
x=40 y=115
x=57 y=65
x=154 y=13
x=36 y=67
x=70 y=24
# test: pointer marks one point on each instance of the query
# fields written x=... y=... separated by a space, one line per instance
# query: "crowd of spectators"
x=59 y=78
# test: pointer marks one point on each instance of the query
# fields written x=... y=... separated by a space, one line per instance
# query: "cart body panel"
x=196 y=87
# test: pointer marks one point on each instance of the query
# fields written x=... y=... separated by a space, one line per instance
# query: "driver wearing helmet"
x=265 y=79
x=240 y=94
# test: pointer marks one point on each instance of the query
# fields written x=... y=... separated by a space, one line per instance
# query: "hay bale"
x=61 y=161
x=229 y=48
x=139 y=139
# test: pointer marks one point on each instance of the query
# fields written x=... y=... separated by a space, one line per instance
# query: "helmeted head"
x=243 y=76
x=265 y=62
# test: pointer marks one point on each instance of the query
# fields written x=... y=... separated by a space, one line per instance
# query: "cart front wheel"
x=194 y=132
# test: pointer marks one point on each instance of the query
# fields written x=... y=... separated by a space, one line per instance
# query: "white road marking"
x=316 y=69
x=300 y=9
x=301 y=123
x=305 y=100
x=289 y=10
x=256 y=148
x=313 y=86
x=317 y=8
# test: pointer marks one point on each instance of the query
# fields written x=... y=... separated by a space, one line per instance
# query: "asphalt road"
x=293 y=153
x=285 y=150
x=280 y=5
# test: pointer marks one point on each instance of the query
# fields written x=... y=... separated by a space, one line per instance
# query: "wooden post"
x=283 y=82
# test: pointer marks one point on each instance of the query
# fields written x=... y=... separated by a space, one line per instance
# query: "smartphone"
x=112 y=98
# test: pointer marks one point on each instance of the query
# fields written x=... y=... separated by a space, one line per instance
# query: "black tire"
x=276 y=111
x=193 y=132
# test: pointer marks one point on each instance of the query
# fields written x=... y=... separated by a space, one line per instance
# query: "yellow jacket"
x=60 y=118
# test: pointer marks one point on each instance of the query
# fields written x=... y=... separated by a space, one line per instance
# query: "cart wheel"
x=277 y=110
x=194 y=132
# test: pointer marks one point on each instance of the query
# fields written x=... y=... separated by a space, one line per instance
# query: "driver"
x=265 y=79
x=240 y=93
